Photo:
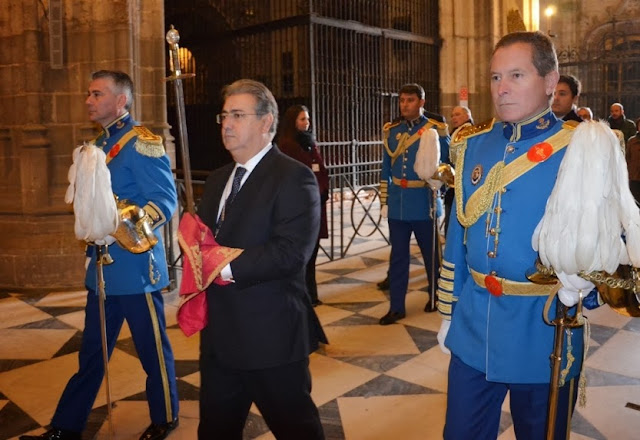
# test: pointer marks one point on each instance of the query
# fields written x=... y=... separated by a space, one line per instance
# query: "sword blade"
x=102 y=296
x=176 y=77
x=184 y=143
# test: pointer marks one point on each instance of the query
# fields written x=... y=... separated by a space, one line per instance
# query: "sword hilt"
x=173 y=37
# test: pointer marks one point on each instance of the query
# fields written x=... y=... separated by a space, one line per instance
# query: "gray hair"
x=123 y=82
x=587 y=109
x=467 y=110
x=266 y=103
x=544 y=53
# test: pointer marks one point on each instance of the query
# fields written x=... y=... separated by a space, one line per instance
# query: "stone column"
x=467 y=33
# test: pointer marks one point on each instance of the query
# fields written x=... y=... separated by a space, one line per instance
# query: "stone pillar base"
x=40 y=252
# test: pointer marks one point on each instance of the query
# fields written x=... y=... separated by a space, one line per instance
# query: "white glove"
x=384 y=211
x=442 y=335
x=573 y=288
x=108 y=240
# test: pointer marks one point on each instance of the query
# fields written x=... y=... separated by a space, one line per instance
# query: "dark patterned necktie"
x=235 y=187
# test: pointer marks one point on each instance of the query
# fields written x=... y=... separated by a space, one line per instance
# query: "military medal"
x=476 y=174
x=493 y=285
x=540 y=152
x=114 y=151
x=543 y=124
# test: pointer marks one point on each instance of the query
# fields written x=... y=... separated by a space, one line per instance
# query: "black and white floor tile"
x=371 y=382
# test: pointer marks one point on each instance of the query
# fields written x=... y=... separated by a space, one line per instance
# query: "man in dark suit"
x=262 y=326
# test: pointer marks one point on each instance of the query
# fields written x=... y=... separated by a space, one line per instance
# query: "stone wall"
x=43 y=117
x=469 y=32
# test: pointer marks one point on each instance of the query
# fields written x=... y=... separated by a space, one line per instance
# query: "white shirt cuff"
x=226 y=273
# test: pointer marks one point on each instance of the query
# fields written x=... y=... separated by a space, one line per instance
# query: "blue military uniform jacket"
x=141 y=173
x=502 y=334
x=408 y=196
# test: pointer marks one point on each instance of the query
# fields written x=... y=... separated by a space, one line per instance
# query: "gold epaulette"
x=474 y=130
x=389 y=125
x=437 y=124
x=148 y=144
x=571 y=124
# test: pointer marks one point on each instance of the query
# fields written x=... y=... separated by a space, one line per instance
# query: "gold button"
x=491 y=254
x=492 y=231
x=510 y=149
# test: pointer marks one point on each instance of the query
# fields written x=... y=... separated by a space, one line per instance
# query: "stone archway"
x=609 y=61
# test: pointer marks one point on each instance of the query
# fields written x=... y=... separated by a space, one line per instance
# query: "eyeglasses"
x=235 y=116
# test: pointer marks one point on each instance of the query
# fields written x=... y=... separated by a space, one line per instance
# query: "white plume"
x=96 y=213
x=590 y=207
x=628 y=211
x=428 y=155
x=71 y=177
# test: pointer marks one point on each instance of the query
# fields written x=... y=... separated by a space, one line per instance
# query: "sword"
x=436 y=252
x=104 y=258
x=173 y=37
x=562 y=323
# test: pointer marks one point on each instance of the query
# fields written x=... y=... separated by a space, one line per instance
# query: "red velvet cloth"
x=203 y=260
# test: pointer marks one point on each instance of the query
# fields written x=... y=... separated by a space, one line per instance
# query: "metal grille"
x=345 y=60
x=609 y=72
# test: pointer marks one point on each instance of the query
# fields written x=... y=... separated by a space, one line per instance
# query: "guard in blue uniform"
x=408 y=198
x=505 y=172
x=140 y=174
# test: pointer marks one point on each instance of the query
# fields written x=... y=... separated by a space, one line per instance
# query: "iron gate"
x=345 y=60
x=608 y=65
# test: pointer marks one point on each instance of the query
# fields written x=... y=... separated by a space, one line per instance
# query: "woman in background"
x=295 y=140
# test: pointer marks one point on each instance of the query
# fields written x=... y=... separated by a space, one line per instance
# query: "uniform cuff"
x=155 y=214
x=383 y=192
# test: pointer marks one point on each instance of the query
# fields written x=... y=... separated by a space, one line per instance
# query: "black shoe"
x=384 y=284
x=391 y=318
x=428 y=308
x=159 y=431
x=54 y=434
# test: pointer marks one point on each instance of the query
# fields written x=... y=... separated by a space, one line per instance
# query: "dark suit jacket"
x=572 y=116
x=265 y=318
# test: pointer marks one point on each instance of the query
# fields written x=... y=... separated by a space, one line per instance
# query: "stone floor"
x=371 y=382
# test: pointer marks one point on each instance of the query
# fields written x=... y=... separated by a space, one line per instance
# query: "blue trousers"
x=145 y=315
x=400 y=235
x=474 y=406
